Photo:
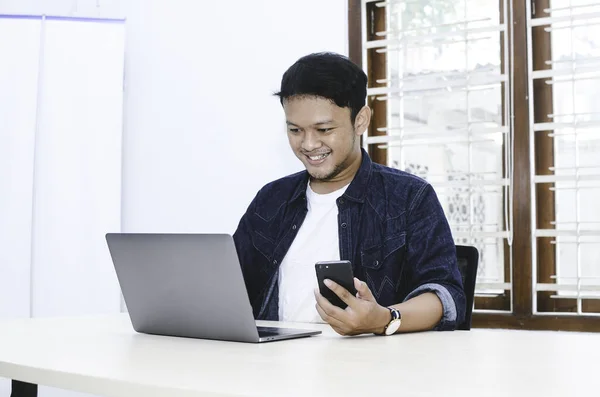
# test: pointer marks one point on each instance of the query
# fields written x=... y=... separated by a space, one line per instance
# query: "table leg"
x=23 y=389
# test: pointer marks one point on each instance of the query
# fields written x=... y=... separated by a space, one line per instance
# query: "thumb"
x=363 y=290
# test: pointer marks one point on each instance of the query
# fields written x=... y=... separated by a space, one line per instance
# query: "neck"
x=340 y=180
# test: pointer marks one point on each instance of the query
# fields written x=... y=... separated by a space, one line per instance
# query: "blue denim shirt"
x=391 y=227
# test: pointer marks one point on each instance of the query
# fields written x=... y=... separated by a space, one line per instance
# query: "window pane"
x=445 y=115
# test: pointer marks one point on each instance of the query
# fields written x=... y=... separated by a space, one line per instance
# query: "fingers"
x=341 y=321
x=363 y=290
x=338 y=326
x=358 y=284
x=334 y=322
x=340 y=291
x=329 y=309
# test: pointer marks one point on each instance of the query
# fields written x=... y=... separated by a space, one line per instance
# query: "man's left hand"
x=362 y=315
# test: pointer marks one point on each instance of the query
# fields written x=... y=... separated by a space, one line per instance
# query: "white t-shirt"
x=317 y=240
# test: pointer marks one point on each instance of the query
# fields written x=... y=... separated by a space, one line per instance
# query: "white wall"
x=202 y=131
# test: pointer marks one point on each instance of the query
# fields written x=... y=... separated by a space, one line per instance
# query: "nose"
x=310 y=142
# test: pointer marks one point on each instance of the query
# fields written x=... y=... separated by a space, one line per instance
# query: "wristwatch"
x=394 y=323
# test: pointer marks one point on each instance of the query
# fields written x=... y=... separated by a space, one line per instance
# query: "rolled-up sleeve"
x=431 y=264
x=448 y=305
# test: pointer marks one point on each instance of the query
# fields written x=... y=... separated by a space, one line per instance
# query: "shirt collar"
x=357 y=190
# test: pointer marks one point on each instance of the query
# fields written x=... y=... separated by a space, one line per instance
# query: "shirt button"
x=341 y=201
x=275 y=262
x=344 y=225
x=294 y=227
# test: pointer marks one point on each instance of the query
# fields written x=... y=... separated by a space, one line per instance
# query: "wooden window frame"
x=521 y=316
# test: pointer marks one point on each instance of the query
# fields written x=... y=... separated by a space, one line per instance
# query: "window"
x=517 y=174
x=565 y=76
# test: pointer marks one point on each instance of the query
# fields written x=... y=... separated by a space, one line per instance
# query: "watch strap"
x=395 y=315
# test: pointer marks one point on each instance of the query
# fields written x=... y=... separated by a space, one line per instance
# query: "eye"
x=294 y=130
x=324 y=130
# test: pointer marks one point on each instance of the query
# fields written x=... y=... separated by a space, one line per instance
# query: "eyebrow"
x=315 y=124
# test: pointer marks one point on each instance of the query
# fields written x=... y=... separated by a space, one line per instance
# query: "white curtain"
x=18 y=93
x=61 y=94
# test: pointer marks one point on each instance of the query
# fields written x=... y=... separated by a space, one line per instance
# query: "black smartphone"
x=341 y=273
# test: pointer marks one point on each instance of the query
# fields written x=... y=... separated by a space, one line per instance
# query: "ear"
x=363 y=118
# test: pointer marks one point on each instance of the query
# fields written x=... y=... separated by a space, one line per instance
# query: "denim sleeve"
x=431 y=264
x=448 y=305
x=243 y=241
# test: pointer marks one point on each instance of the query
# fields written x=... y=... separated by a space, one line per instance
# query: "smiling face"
x=323 y=137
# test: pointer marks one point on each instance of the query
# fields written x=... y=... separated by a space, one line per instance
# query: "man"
x=388 y=223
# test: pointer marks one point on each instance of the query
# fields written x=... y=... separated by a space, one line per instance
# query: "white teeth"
x=319 y=157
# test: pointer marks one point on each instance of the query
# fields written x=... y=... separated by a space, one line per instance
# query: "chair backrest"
x=468 y=260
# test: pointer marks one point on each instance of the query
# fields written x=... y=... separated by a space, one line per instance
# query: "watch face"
x=392 y=327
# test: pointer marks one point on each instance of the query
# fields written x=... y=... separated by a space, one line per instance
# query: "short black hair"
x=328 y=75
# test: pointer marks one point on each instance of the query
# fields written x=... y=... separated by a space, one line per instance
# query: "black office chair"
x=468 y=260
x=23 y=389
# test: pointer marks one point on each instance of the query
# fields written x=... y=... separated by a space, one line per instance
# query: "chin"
x=320 y=175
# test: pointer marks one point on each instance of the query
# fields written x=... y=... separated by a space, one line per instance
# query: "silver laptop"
x=188 y=285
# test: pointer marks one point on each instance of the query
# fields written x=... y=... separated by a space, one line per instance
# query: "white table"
x=104 y=356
